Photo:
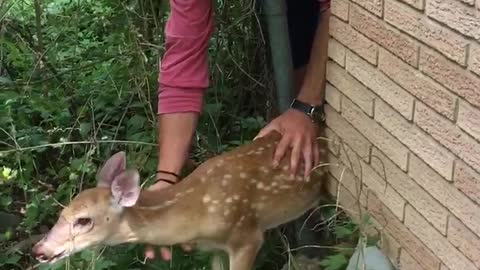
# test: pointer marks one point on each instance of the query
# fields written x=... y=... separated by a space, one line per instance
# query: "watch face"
x=318 y=115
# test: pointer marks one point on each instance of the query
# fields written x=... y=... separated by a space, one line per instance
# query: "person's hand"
x=165 y=252
x=299 y=133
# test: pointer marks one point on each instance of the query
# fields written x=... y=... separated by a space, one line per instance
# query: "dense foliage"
x=78 y=82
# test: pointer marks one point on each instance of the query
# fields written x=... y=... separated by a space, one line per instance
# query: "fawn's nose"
x=38 y=251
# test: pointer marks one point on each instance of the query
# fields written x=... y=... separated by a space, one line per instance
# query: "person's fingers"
x=267 y=129
x=280 y=150
x=295 y=155
x=165 y=253
x=149 y=253
x=307 y=157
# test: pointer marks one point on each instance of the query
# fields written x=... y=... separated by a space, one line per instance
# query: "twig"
x=73 y=143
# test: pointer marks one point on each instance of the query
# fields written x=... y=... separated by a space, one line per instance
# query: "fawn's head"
x=93 y=215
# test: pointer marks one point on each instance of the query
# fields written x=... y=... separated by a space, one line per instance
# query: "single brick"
x=448 y=134
x=375 y=133
x=474 y=64
x=383 y=191
x=379 y=83
x=402 y=234
x=455 y=78
x=444 y=250
x=455 y=15
x=415 y=139
x=333 y=96
x=391 y=248
x=469 y=119
x=333 y=141
x=350 y=87
x=452 y=198
x=336 y=52
x=351 y=160
x=407 y=262
x=345 y=176
x=423 y=202
x=348 y=201
x=347 y=132
x=339 y=8
x=467 y=180
x=385 y=35
x=352 y=39
x=417 y=25
x=466 y=241
x=423 y=87
x=373 y=6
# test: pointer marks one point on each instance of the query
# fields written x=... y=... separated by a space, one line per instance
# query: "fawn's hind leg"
x=244 y=251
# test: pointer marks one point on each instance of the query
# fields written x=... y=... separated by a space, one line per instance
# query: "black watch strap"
x=315 y=113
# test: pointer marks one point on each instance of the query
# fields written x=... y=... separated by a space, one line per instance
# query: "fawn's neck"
x=157 y=218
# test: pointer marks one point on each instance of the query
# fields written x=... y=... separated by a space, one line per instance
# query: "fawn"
x=226 y=203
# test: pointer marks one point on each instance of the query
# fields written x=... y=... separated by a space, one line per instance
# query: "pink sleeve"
x=184 y=68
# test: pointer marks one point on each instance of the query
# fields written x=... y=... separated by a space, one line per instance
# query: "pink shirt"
x=184 y=68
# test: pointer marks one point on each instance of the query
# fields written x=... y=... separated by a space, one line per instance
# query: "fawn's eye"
x=83 y=221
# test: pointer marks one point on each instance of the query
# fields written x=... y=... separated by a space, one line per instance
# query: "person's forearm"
x=313 y=88
x=175 y=135
x=183 y=80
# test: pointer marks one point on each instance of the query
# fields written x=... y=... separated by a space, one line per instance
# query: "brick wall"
x=403 y=99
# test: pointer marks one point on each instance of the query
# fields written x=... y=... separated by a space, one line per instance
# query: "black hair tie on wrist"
x=166 y=180
x=171 y=173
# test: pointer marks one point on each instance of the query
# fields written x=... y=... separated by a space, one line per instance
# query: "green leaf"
x=334 y=262
x=342 y=232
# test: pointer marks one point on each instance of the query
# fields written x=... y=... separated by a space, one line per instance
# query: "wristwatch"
x=315 y=112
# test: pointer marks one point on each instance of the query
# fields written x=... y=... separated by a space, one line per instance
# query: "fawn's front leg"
x=244 y=253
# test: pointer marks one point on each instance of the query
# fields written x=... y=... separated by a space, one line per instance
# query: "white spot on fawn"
x=243 y=175
x=236 y=197
x=274 y=184
x=209 y=171
x=215 y=201
x=226 y=212
x=239 y=155
x=224 y=182
x=229 y=200
x=244 y=200
x=190 y=190
x=227 y=176
x=261 y=149
x=251 y=152
x=203 y=179
x=264 y=169
x=206 y=198
x=260 y=185
x=211 y=209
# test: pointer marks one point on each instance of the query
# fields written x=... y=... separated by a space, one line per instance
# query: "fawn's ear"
x=126 y=188
x=113 y=167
